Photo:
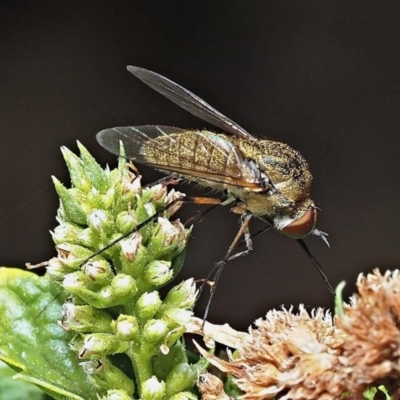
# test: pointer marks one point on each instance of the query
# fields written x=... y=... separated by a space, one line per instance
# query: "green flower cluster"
x=114 y=305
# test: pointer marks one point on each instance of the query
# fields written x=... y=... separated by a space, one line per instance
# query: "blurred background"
x=320 y=76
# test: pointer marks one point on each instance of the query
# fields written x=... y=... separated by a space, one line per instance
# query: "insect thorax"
x=286 y=168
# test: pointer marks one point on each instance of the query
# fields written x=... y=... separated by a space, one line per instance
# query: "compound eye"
x=303 y=226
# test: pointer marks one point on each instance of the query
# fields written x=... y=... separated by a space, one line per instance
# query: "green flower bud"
x=124 y=286
x=153 y=389
x=128 y=188
x=130 y=246
x=158 y=273
x=126 y=327
x=183 y=295
x=177 y=317
x=108 y=376
x=108 y=198
x=74 y=281
x=76 y=170
x=99 y=272
x=71 y=209
x=167 y=237
x=102 y=221
x=155 y=194
x=182 y=377
x=172 y=196
x=155 y=331
x=131 y=182
x=72 y=256
x=144 y=211
x=85 y=319
x=126 y=221
x=116 y=395
x=56 y=269
x=66 y=232
x=114 y=176
x=184 y=396
x=147 y=306
x=89 y=238
x=134 y=256
x=121 y=291
x=101 y=344
x=95 y=173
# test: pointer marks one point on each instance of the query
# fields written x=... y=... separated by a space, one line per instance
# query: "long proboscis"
x=316 y=264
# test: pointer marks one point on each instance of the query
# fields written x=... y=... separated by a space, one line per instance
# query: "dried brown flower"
x=371 y=324
x=310 y=356
x=211 y=388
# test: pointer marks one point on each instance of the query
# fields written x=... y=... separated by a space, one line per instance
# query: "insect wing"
x=188 y=101
x=203 y=155
x=133 y=138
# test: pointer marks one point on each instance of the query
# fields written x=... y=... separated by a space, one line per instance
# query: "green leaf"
x=31 y=341
x=16 y=390
x=370 y=393
x=384 y=391
x=339 y=310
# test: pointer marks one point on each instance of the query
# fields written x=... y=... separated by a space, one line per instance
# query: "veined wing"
x=188 y=101
x=198 y=154
x=133 y=138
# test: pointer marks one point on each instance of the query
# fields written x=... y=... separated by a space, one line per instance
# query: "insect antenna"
x=317 y=265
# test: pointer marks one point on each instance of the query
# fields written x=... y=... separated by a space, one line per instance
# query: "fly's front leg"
x=244 y=221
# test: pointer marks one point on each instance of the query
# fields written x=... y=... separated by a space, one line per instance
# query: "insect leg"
x=219 y=266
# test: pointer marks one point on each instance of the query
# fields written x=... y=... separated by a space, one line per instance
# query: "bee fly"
x=263 y=178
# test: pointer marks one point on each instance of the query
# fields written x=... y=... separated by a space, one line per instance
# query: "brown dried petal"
x=211 y=388
x=371 y=324
x=305 y=356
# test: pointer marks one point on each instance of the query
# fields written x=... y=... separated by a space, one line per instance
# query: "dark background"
x=321 y=76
